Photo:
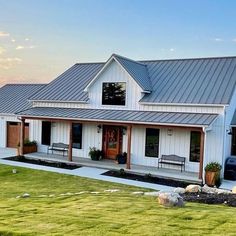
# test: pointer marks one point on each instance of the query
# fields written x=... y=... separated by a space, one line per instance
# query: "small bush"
x=213 y=166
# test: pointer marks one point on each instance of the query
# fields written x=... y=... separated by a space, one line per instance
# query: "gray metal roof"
x=233 y=122
x=13 y=97
x=137 y=70
x=182 y=81
x=70 y=85
x=128 y=116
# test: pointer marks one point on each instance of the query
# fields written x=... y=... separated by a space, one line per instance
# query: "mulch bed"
x=43 y=162
x=146 y=178
x=210 y=198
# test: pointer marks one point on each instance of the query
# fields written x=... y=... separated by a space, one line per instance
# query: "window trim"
x=158 y=154
x=109 y=105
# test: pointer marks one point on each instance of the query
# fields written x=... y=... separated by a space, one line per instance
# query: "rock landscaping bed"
x=146 y=178
x=43 y=162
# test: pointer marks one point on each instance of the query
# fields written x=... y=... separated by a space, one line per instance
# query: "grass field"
x=104 y=213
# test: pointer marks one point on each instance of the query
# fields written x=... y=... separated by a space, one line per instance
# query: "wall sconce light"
x=170 y=132
x=99 y=127
x=229 y=132
x=124 y=130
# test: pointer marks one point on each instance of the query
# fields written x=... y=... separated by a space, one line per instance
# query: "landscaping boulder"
x=234 y=189
x=193 y=188
x=179 y=190
x=170 y=199
x=25 y=195
x=153 y=194
x=223 y=191
x=207 y=189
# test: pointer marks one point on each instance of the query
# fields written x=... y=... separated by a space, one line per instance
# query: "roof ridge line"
x=126 y=58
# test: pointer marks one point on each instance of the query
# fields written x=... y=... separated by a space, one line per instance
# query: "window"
x=152 y=142
x=195 y=141
x=233 y=142
x=77 y=135
x=113 y=94
x=46 y=133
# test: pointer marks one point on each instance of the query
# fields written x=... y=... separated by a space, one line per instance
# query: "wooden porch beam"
x=22 y=136
x=70 y=142
x=202 y=141
x=129 y=130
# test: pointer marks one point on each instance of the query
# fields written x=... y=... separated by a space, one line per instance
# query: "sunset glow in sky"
x=40 y=39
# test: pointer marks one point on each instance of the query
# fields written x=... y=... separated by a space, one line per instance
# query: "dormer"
x=119 y=83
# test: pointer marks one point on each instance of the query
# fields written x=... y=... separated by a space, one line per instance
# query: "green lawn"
x=119 y=213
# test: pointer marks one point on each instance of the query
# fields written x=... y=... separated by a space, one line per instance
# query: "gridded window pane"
x=113 y=94
x=152 y=142
x=77 y=135
x=195 y=141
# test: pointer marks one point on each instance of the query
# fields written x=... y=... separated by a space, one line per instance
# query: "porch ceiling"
x=120 y=116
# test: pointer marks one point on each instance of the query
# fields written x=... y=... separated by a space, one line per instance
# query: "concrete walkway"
x=88 y=172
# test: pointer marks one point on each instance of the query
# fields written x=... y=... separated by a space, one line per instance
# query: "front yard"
x=69 y=205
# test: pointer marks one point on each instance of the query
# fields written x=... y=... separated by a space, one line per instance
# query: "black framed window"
x=152 y=142
x=195 y=142
x=77 y=135
x=233 y=141
x=46 y=133
x=113 y=93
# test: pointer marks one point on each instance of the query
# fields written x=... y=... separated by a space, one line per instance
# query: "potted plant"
x=29 y=147
x=95 y=154
x=121 y=158
x=212 y=174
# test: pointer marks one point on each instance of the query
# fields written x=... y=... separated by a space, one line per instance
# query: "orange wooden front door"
x=13 y=133
x=112 y=141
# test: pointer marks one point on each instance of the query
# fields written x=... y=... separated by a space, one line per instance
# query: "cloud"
x=4 y=34
x=20 y=47
x=172 y=50
x=234 y=40
x=13 y=40
x=2 y=50
x=26 y=39
x=218 y=39
x=7 y=63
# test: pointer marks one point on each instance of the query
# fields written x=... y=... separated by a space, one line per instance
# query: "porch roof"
x=120 y=116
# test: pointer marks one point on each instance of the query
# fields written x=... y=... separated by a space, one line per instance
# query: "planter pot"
x=212 y=178
x=96 y=157
x=121 y=160
x=30 y=149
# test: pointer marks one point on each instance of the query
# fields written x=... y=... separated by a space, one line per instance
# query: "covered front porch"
x=174 y=127
x=112 y=165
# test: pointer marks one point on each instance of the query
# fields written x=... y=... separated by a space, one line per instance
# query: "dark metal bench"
x=172 y=160
x=60 y=147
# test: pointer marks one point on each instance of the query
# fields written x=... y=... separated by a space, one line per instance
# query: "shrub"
x=213 y=166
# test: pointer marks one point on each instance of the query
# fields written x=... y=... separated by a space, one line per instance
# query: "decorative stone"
x=95 y=192
x=170 y=199
x=52 y=195
x=207 y=189
x=154 y=194
x=17 y=196
x=25 y=195
x=138 y=193
x=14 y=171
x=179 y=190
x=222 y=191
x=42 y=195
x=234 y=189
x=193 y=188
x=112 y=190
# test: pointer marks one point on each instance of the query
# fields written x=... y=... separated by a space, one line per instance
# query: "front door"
x=112 y=141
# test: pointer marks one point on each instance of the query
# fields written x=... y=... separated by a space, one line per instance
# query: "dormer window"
x=114 y=93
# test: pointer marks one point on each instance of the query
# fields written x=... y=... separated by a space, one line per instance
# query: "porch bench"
x=172 y=160
x=60 y=147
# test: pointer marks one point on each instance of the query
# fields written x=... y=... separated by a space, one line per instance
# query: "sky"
x=40 y=39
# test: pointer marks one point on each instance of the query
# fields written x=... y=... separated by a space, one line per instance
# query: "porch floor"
x=110 y=164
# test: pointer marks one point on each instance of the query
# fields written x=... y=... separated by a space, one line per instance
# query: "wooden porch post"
x=22 y=136
x=129 y=129
x=201 y=155
x=70 y=143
